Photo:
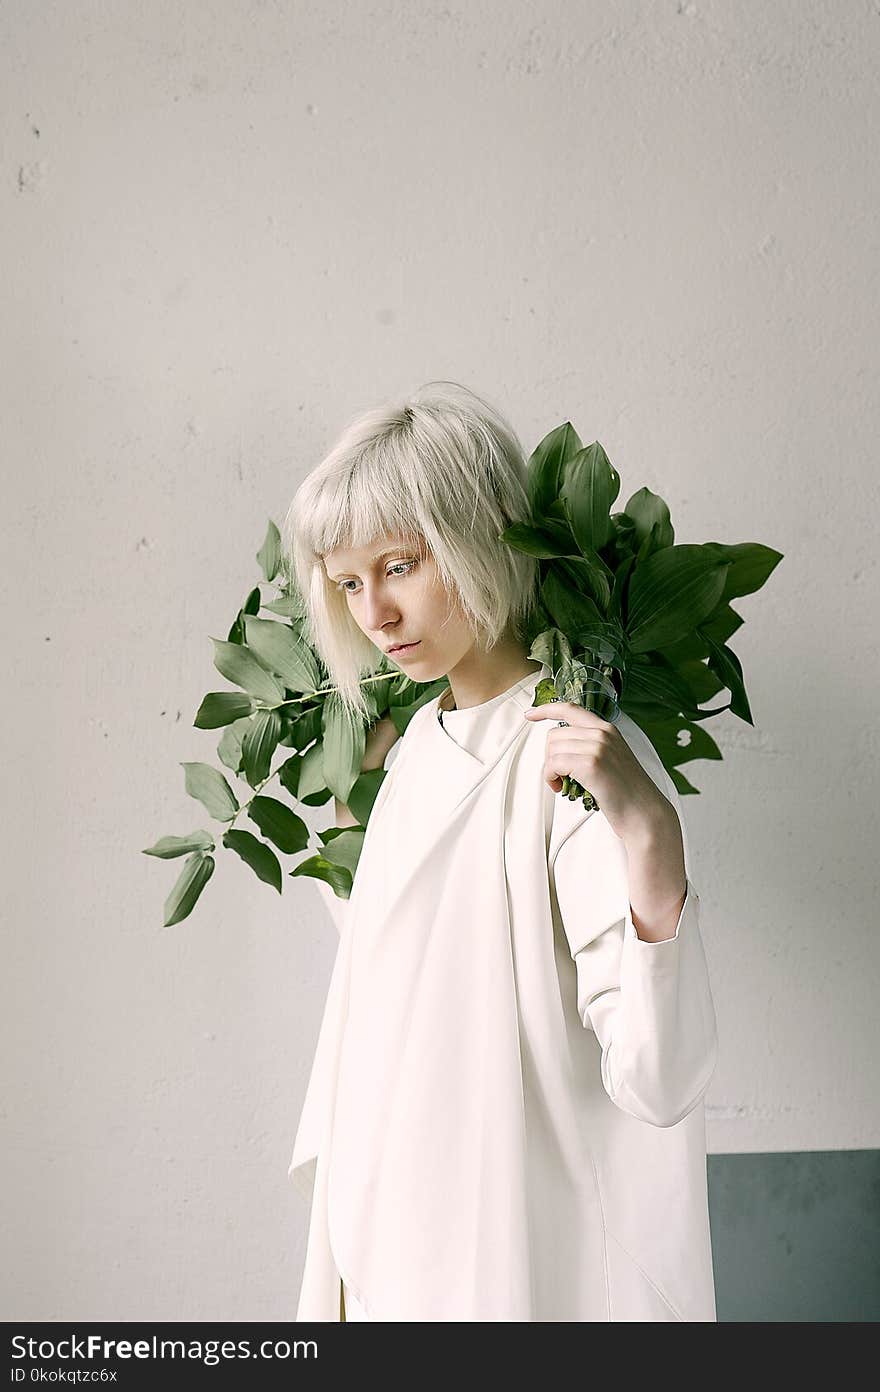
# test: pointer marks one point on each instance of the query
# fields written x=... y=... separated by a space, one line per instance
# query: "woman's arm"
x=648 y=1002
x=344 y=816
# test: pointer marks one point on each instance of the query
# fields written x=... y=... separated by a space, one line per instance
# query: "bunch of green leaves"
x=621 y=602
x=283 y=700
x=625 y=619
x=586 y=681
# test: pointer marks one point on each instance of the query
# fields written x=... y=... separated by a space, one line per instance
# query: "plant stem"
x=326 y=690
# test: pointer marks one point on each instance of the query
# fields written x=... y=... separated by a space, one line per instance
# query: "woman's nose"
x=379 y=608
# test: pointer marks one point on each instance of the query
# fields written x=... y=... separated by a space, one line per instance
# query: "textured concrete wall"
x=225 y=228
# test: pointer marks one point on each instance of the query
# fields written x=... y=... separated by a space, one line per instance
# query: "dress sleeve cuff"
x=665 y=948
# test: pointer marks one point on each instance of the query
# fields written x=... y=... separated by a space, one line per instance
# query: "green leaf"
x=196 y=873
x=604 y=642
x=551 y=647
x=317 y=867
x=342 y=845
x=751 y=564
x=555 y=512
x=229 y=744
x=255 y=853
x=652 y=681
x=371 y=701
x=343 y=745
x=169 y=846
x=317 y=799
x=586 y=576
x=703 y=683
x=545 y=692
x=364 y=792
x=666 y=732
x=311 y=774
x=279 y=649
x=259 y=744
x=650 y=518
x=589 y=488
x=545 y=540
x=670 y=593
x=618 y=588
x=288 y=774
x=682 y=786
x=210 y=787
x=303 y=727
x=222 y=708
x=288 y=607
x=546 y=467
x=240 y=666
x=269 y=554
x=721 y=624
x=569 y=609
x=250 y=606
x=279 y=823
x=724 y=662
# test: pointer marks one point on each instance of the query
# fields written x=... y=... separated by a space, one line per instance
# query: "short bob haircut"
x=444 y=471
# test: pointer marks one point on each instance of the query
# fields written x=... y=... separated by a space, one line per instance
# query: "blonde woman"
x=504 y=1118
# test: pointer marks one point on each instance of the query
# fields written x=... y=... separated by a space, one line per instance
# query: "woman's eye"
x=400 y=567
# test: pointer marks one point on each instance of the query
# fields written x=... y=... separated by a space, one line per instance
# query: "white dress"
x=504 y=1119
x=464 y=726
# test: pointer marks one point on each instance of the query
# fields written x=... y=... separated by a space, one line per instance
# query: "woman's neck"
x=481 y=675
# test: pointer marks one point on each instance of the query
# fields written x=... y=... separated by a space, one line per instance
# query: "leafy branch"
x=284 y=698
x=626 y=619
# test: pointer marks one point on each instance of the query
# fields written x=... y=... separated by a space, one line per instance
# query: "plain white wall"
x=225 y=228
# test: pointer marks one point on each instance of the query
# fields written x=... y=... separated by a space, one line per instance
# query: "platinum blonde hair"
x=445 y=471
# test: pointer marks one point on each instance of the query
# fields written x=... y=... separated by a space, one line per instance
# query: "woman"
x=504 y=1119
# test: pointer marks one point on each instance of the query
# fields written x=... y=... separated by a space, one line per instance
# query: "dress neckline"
x=455 y=716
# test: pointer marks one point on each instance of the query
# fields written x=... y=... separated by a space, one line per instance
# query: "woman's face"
x=396 y=597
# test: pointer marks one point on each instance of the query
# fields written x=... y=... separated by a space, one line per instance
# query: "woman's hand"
x=381 y=737
x=594 y=752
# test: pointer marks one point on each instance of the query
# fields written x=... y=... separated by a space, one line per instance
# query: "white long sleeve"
x=649 y=1003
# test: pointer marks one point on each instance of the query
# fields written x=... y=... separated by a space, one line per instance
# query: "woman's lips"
x=401 y=652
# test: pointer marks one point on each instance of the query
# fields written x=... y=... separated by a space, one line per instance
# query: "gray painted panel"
x=796 y=1236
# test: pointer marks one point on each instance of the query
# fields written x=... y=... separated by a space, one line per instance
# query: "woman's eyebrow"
x=379 y=556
